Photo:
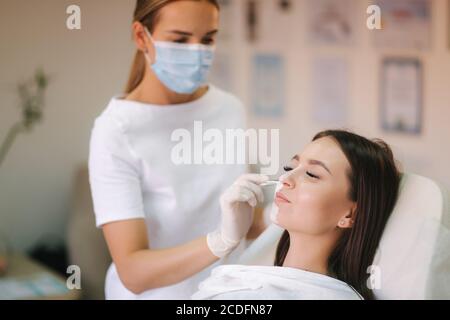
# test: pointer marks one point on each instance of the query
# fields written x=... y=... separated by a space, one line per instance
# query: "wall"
x=91 y=65
x=87 y=67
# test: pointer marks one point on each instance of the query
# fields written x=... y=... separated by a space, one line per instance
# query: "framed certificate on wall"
x=402 y=95
x=407 y=24
x=268 y=85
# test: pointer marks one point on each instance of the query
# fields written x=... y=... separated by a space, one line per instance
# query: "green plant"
x=31 y=94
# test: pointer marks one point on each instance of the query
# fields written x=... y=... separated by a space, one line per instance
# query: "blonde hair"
x=147 y=13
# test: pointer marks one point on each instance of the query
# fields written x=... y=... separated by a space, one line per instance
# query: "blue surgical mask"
x=183 y=68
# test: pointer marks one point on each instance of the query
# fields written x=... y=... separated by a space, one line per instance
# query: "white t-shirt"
x=132 y=176
x=239 y=282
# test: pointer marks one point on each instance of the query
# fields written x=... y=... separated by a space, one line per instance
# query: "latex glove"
x=237 y=205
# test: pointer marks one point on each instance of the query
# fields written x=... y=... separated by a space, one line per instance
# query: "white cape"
x=240 y=282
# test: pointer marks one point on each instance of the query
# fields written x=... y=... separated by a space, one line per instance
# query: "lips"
x=281 y=198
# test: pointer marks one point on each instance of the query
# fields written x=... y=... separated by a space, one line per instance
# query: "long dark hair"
x=147 y=12
x=374 y=184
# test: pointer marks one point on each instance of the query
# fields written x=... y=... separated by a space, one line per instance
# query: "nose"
x=287 y=180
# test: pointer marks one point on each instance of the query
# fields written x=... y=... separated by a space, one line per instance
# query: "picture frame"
x=402 y=95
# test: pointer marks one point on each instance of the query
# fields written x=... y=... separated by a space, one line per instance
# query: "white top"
x=132 y=176
x=239 y=282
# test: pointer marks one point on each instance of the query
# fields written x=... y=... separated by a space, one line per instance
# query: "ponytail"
x=137 y=72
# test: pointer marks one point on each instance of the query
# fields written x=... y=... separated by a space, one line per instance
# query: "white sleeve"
x=113 y=174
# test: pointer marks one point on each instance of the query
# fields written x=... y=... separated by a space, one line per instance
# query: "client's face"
x=314 y=196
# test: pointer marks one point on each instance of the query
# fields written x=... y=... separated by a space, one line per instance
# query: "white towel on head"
x=239 y=282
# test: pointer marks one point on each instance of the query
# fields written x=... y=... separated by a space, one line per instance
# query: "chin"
x=280 y=220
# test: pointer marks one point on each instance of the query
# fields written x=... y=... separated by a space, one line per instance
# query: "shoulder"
x=111 y=119
x=108 y=131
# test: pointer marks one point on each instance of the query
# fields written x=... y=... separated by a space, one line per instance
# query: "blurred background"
x=299 y=66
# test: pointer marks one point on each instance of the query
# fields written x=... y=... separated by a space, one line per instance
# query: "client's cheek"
x=305 y=201
x=331 y=211
x=295 y=215
x=313 y=211
x=332 y=203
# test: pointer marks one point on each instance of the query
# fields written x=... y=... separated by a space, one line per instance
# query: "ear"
x=347 y=221
x=142 y=40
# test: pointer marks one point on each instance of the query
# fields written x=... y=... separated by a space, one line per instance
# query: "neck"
x=309 y=253
x=153 y=91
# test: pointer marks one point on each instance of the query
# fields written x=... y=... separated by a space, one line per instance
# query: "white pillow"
x=414 y=253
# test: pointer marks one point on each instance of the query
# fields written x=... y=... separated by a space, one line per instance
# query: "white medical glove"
x=237 y=205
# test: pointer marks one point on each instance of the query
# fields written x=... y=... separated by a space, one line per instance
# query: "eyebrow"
x=184 y=33
x=313 y=162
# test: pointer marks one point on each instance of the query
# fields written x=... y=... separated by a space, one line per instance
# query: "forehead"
x=328 y=151
x=189 y=14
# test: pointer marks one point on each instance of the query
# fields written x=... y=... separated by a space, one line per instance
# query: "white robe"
x=240 y=282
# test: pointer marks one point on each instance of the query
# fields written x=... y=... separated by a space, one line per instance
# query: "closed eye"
x=312 y=175
x=287 y=168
